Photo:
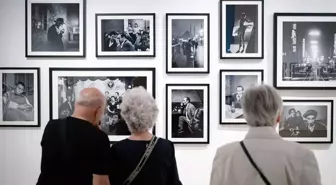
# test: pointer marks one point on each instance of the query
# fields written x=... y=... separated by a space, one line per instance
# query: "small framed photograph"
x=305 y=50
x=67 y=83
x=307 y=120
x=242 y=29
x=20 y=105
x=188 y=43
x=232 y=86
x=125 y=35
x=55 y=28
x=187 y=113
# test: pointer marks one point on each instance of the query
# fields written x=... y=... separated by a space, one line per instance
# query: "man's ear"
x=278 y=119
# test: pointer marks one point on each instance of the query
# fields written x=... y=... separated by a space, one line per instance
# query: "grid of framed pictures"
x=55 y=28
x=304 y=58
x=232 y=86
x=125 y=35
x=241 y=29
x=187 y=44
x=187 y=113
x=68 y=82
x=20 y=105
x=307 y=120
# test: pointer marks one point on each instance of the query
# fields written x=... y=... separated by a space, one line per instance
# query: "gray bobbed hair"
x=261 y=105
x=139 y=110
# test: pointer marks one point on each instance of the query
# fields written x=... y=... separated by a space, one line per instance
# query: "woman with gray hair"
x=263 y=157
x=142 y=158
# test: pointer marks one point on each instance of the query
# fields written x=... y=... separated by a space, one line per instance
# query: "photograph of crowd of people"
x=113 y=87
x=55 y=29
x=241 y=29
x=187 y=42
x=304 y=121
x=187 y=113
x=232 y=91
x=19 y=98
x=125 y=35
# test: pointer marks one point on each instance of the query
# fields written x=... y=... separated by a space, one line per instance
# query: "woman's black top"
x=160 y=168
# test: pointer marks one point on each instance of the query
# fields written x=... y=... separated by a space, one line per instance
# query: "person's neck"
x=80 y=116
x=140 y=136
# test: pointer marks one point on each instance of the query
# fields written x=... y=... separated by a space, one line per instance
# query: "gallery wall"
x=20 y=151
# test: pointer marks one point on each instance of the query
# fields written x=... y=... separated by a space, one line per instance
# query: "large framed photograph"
x=305 y=50
x=232 y=86
x=125 y=35
x=55 y=28
x=66 y=84
x=20 y=105
x=187 y=113
x=187 y=43
x=242 y=29
x=307 y=120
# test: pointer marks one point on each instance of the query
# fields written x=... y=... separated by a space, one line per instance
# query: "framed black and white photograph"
x=187 y=43
x=20 y=105
x=66 y=84
x=125 y=35
x=307 y=120
x=187 y=113
x=242 y=29
x=305 y=50
x=55 y=28
x=232 y=86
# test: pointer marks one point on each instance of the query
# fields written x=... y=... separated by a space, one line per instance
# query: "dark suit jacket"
x=235 y=101
x=320 y=130
x=127 y=46
x=189 y=111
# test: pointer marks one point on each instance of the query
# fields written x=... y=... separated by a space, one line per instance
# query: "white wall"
x=19 y=147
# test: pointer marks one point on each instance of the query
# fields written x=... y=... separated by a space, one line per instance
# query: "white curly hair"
x=139 y=110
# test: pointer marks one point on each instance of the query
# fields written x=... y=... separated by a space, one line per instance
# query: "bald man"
x=74 y=149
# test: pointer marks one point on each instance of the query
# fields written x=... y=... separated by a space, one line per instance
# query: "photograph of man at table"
x=234 y=90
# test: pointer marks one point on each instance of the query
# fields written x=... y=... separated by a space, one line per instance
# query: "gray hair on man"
x=262 y=105
x=139 y=110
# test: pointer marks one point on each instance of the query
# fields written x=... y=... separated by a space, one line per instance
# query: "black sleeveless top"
x=160 y=168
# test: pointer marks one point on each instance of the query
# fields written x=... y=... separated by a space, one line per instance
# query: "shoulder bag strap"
x=143 y=161
x=254 y=164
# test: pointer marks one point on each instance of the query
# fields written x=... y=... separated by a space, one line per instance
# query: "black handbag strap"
x=254 y=164
x=143 y=161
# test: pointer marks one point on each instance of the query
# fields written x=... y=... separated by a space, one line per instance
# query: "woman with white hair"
x=142 y=159
x=263 y=157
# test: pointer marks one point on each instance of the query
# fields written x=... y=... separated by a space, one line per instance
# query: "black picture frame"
x=206 y=95
x=315 y=101
x=151 y=71
x=241 y=72
x=81 y=54
x=279 y=82
x=222 y=22
x=37 y=97
x=186 y=70
x=152 y=52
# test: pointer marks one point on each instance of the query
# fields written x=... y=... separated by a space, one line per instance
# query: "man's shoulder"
x=320 y=124
x=294 y=148
x=230 y=147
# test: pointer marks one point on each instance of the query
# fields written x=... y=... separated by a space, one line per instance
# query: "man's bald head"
x=90 y=105
x=91 y=98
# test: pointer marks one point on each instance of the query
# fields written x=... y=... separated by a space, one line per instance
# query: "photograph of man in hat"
x=312 y=126
x=55 y=34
